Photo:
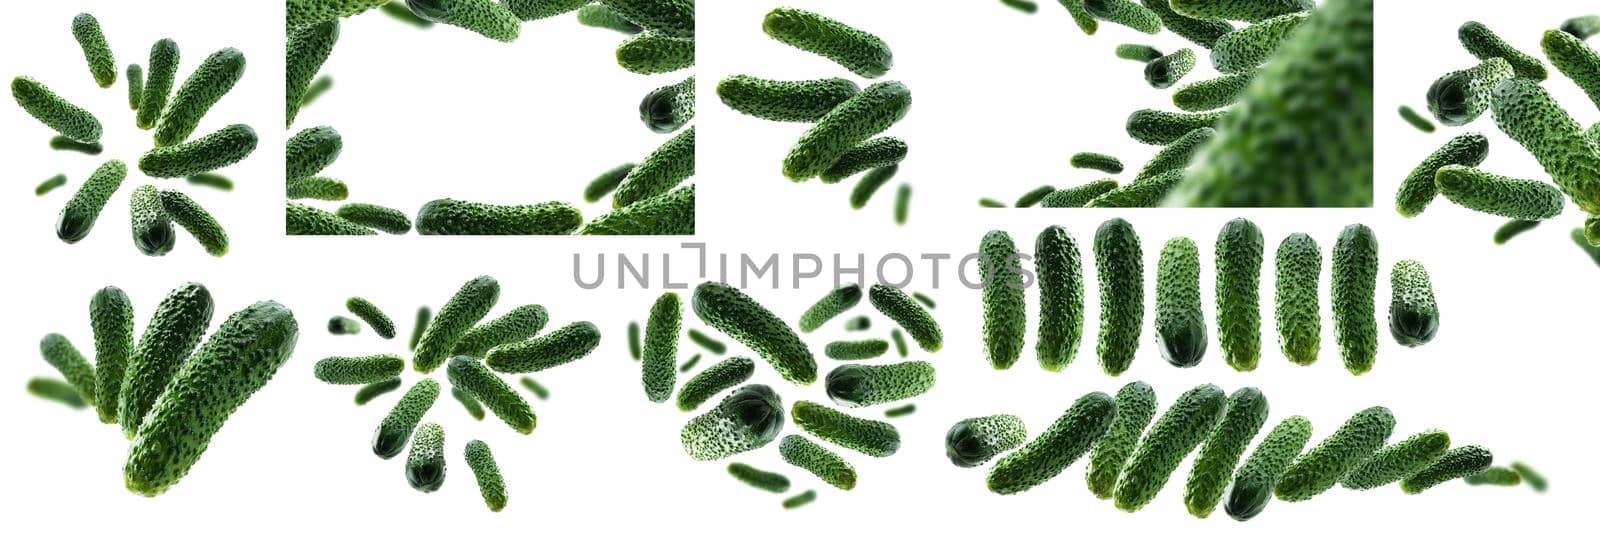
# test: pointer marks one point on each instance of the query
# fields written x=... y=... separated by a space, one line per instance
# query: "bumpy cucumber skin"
x=194 y=219
x=311 y=150
x=1499 y=195
x=1213 y=466
x=1239 y=257
x=1298 y=309
x=570 y=343
x=606 y=182
x=321 y=188
x=667 y=214
x=899 y=341
x=369 y=313
x=1059 y=268
x=308 y=49
x=1180 y=322
x=1421 y=185
x=1484 y=44
x=1215 y=93
x=722 y=376
x=1413 y=314
x=1148 y=192
x=1152 y=126
x=542 y=9
x=600 y=16
x=240 y=358
x=653 y=53
x=459 y=217
x=152 y=228
x=1534 y=479
x=800 y=500
x=1179 y=430
x=1319 y=158
x=1060 y=445
x=516 y=325
x=163 y=67
x=396 y=428
x=857 y=119
x=470 y=375
x=483 y=17
x=80 y=213
x=469 y=305
x=1355 y=285
x=60 y=115
x=424 y=315
x=870 y=154
x=866 y=385
x=1096 y=161
x=174 y=329
x=1120 y=263
x=1322 y=467
x=1513 y=228
x=363 y=370
x=490 y=484
x=673 y=18
x=57 y=391
x=668 y=108
x=111 y=317
x=1165 y=71
x=425 y=466
x=213 y=78
x=974 y=441
x=1034 y=196
x=1495 y=475
x=386 y=219
x=812 y=457
x=870 y=437
x=135 y=85
x=737 y=315
x=1460 y=97
x=661 y=334
x=1081 y=17
x=1457 y=463
x=833 y=304
x=1577 y=60
x=1202 y=32
x=102 y=65
x=301 y=219
x=368 y=393
x=51 y=184
x=1245 y=10
x=856 y=350
x=748 y=418
x=761 y=479
x=1528 y=114
x=299 y=13
x=1244 y=49
x=663 y=169
x=1583 y=26
x=1136 y=406
x=860 y=52
x=782 y=100
x=343 y=325
x=216 y=150
x=1398 y=461
x=398 y=11
x=60 y=353
x=1124 y=12
x=1078 y=196
x=1252 y=485
x=1142 y=53
x=910 y=315
x=1175 y=155
x=1005 y=316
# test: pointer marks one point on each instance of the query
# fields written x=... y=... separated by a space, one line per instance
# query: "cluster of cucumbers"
x=168 y=391
x=845 y=119
x=647 y=199
x=752 y=416
x=472 y=352
x=1131 y=470
x=1297 y=76
x=1180 y=321
x=173 y=116
x=1506 y=84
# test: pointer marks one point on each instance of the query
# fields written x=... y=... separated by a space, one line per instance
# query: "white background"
x=1509 y=369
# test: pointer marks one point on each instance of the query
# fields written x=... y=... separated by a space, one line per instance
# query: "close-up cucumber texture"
x=173 y=107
